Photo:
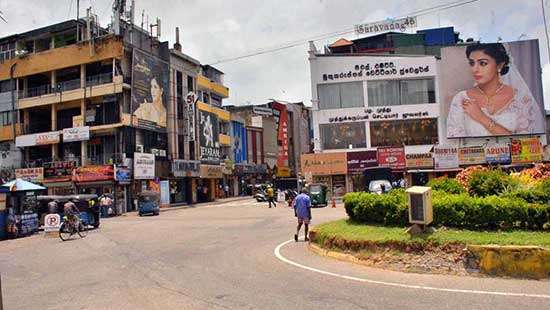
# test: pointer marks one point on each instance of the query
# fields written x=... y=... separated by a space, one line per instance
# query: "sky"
x=214 y=30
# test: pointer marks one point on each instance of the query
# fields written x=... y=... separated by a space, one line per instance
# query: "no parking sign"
x=52 y=222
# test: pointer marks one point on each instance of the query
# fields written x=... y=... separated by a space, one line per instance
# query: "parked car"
x=379 y=186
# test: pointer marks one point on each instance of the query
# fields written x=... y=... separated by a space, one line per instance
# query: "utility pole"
x=77 y=18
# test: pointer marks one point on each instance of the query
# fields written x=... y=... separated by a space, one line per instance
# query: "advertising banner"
x=419 y=160
x=123 y=175
x=59 y=171
x=392 y=157
x=93 y=173
x=282 y=133
x=149 y=90
x=209 y=145
x=526 y=150
x=35 y=175
x=191 y=101
x=47 y=138
x=514 y=108
x=76 y=134
x=144 y=166
x=472 y=155
x=324 y=163
x=358 y=161
x=498 y=154
x=239 y=142
x=445 y=157
x=165 y=192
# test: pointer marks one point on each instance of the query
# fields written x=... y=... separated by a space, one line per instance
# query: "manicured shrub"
x=490 y=182
x=447 y=185
x=452 y=210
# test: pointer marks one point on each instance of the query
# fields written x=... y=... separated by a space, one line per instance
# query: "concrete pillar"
x=53 y=79
x=83 y=75
x=213 y=189
x=194 y=190
x=54 y=128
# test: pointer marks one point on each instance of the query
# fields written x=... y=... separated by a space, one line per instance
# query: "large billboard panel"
x=149 y=91
x=492 y=89
x=239 y=142
x=209 y=144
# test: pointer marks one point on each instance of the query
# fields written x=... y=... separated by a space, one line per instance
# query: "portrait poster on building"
x=526 y=150
x=445 y=157
x=393 y=157
x=498 y=154
x=209 y=145
x=492 y=89
x=149 y=91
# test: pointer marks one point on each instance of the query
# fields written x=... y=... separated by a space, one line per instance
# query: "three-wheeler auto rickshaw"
x=318 y=195
x=148 y=203
x=87 y=204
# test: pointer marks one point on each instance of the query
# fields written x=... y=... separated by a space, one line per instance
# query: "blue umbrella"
x=19 y=185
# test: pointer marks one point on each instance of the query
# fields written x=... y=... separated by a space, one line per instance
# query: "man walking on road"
x=302 y=210
x=270 y=196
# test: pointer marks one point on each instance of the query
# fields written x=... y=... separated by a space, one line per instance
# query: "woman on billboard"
x=153 y=111
x=500 y=103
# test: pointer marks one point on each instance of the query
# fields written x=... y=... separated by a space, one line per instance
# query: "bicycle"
x=69 y=228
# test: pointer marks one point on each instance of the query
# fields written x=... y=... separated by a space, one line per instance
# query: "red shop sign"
x=93 y=173
x=392 y=157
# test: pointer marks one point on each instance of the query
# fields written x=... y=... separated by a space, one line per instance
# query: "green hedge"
x=447 y=185
x=452 y=210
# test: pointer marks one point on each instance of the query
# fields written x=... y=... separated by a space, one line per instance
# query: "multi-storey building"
x=76 y=112
x=198 y=130
x=385 y=101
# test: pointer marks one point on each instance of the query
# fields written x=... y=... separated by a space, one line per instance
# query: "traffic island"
x=520 y=254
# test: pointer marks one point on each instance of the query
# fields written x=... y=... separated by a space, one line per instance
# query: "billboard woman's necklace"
x=489 y=97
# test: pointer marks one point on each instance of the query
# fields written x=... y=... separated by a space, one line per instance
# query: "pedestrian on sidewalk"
x=270 y=196
x=302 y=210
x=226 y=190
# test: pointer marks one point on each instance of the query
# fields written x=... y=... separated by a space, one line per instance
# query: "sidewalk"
x=202 y=204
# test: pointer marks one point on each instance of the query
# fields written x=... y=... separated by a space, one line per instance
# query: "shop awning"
x=19 y=185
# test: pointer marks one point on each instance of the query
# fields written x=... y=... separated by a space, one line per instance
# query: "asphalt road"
x=222 y=257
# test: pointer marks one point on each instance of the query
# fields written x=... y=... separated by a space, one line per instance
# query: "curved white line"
x=278 y=254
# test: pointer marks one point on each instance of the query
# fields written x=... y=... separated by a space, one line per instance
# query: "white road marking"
x=278 y=254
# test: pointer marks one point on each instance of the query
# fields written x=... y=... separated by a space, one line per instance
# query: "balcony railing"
x=106 y=159
x=35 y=91
x=68 y=85
x=99 y=79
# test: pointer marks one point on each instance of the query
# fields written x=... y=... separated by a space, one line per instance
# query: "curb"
x=204 y=204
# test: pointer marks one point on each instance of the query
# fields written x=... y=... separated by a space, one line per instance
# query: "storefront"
x=98 y=180
x=357 y=162
x=248 y=175
x=58 y=177
x=327 y=168
x=208 y=183
x=185 y=173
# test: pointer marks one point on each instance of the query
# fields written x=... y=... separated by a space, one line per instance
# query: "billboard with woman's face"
x=149 y=90
x=492 y=89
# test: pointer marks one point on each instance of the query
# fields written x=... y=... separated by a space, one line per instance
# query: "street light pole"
x=545 y=28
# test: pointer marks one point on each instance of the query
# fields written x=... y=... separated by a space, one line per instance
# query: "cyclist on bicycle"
x=70 y=211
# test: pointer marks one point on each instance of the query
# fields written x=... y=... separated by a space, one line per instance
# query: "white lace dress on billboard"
x=520 y=116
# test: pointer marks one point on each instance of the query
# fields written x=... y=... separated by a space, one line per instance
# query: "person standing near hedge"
x=302 y=210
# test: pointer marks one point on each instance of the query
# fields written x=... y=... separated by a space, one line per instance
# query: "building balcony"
x=99 y=85
x=6 y=132
x=222 y=114
x=205 y=83
x=224 y=139
x=63 y=57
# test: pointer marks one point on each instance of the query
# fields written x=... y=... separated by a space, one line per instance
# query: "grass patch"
x=348 y=230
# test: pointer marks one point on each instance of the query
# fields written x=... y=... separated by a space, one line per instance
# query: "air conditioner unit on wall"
x=139 y=148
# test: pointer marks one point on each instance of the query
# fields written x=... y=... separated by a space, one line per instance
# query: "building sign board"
x=144 y=166
x=93 y=173
x=392 y=157
x=211 y=172
x=401 y=25
x=59 y=171
x=419 y=160
x=76 y=134
x=185 y=168
x=35 y=175
x=358 y=161
x=209 y=146
x=324 y=163
x=445 y=157
x=191 y=100
x=471 y=155
x=262 y=111
x=526 y=150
